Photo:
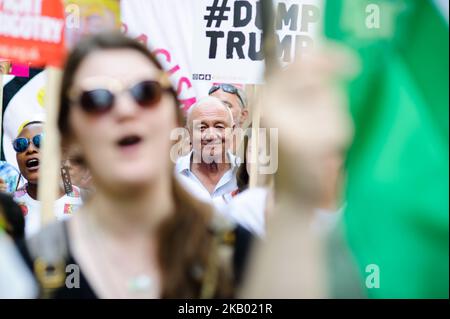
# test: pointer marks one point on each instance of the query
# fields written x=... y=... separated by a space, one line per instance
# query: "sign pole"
x=1 y=106
x=256 y=116
x=5 y=68
x=50 y=157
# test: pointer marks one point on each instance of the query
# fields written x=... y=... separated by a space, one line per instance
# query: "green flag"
x=396 y=218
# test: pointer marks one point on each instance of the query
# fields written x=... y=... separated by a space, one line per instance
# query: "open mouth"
x=32 y=163
x=212 y=142
x=130 y=140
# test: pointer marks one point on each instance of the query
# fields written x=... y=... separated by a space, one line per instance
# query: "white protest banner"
x=227 y=39
x=166 y=28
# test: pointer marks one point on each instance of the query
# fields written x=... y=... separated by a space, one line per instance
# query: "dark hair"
x=185 y=242
x=32 y=123
x=242 y=177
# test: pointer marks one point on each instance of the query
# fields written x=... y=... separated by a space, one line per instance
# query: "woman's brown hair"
x=185 y=240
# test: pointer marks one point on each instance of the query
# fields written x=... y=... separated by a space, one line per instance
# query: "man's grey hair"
x=207 y=100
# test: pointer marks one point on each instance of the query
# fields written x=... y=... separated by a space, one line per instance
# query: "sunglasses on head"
x=100 y=99
x=228 y=88
x=21 y=144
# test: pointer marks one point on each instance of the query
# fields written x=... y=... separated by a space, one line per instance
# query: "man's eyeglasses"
x=21 y=144
x=228 y=88
x=98 y=99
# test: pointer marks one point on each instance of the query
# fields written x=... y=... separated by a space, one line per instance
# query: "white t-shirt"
x=64 y=207
x=247 y=209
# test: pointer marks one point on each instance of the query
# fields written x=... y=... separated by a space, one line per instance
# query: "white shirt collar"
x=184 y=162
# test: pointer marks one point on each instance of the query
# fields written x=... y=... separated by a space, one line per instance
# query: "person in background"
x=233 y=97
x=209 y=170
x=27 y=147
x=79 y=174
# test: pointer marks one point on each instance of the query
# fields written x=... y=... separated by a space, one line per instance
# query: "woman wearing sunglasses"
x=27 y=146
x=140 y=235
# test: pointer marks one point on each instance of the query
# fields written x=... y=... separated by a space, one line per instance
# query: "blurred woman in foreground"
x=140 y=235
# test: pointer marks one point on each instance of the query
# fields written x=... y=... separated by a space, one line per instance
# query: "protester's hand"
x=308 y=105
x=306 y=101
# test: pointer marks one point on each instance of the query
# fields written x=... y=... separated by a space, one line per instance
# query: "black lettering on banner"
x=217 y=12
x=240 y=43
x=288 y=17
x=252 y=53
x=236 y=40
x=239 y=6
x=214 y=35
x=259 y=17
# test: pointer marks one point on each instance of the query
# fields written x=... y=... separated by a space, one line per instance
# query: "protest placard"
x=165 y=27
x=32 y=31
x=85 y=17
x=227 y=44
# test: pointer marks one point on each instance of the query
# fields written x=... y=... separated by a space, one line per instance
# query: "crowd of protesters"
x=236 y=212
x=137 y=223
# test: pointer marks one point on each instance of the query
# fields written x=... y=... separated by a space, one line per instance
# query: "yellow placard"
x=85 y=17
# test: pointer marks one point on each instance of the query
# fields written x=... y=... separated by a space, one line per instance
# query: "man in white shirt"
x=209 y=170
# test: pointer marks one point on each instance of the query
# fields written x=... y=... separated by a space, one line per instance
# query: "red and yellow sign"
x=32 y=31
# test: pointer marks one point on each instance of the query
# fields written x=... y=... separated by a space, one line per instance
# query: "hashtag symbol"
x=217 y=13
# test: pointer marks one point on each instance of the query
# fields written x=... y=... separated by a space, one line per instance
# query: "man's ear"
x=244 y=115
